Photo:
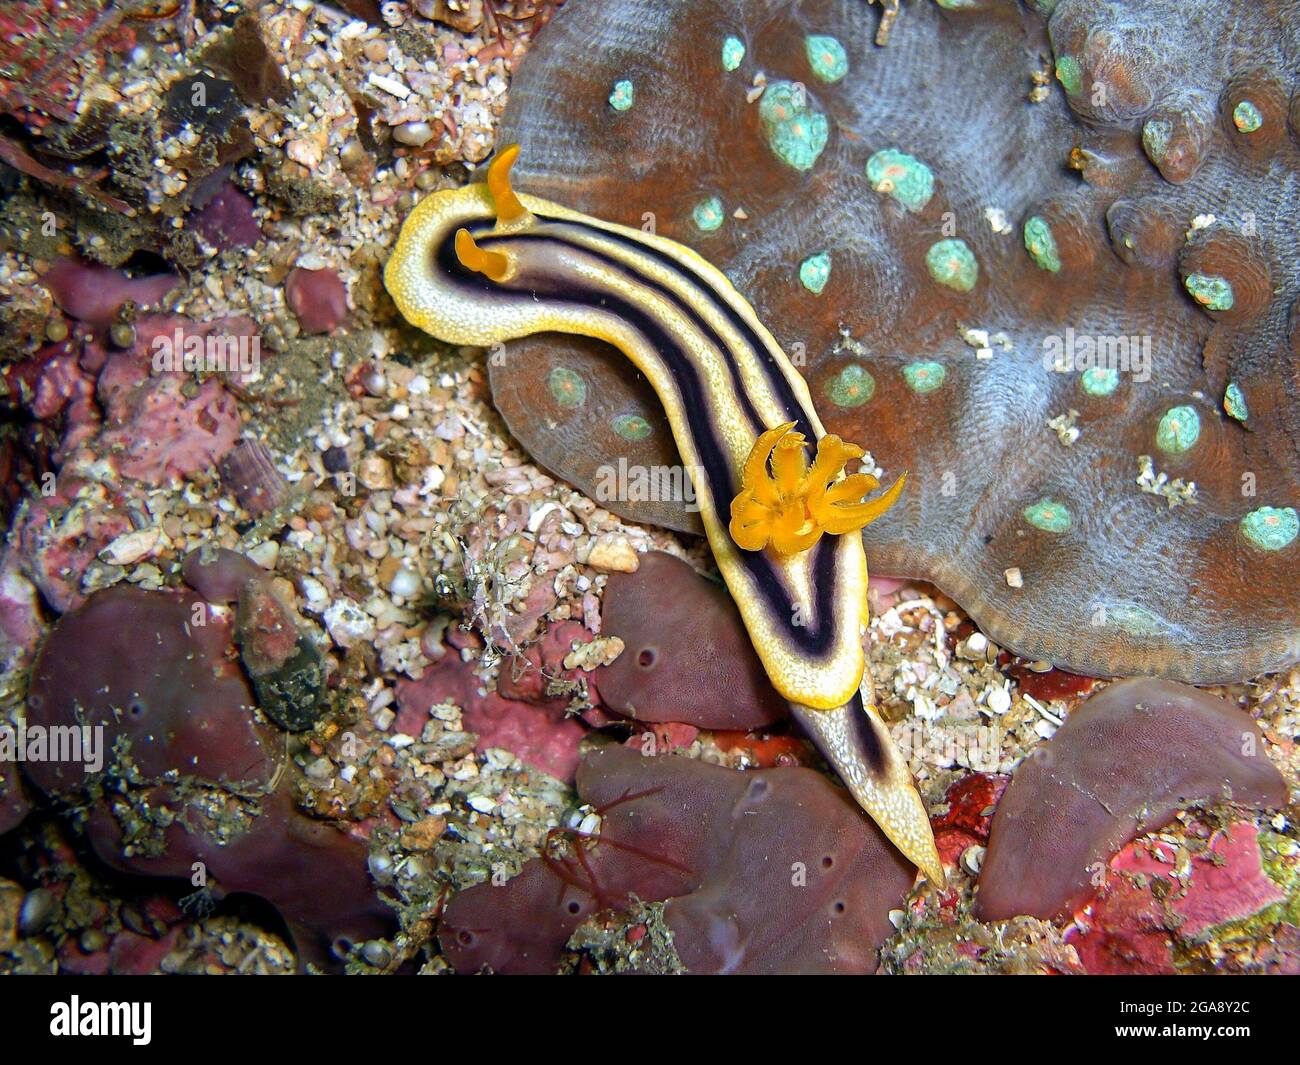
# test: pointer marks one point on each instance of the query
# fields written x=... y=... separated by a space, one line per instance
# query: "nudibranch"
x=482 y=264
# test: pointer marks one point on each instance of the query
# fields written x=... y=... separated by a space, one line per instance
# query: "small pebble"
x=404 y=583
x=37 y=908
x=335 y=459
x=352 y=155
x=320 y=770
x=131 y=547
x=377 y=953
x=613 y=554
x=265 y=554
x=375 y=472
x=414 y=134
x=999 y=700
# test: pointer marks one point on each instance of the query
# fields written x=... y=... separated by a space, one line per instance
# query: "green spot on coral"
x=733 y=51
x=924 y=376
x=1271 y=528
x=795 y=132
x=1136 y=620
x=952 y=263
x=1049 y=515
x=851 y=387
x=826 y=57
x=815 y=271
x=708 y=214
x=1246 y=117
x=1210 y=291
x=567 y=387
x=1178 y=430
x=631 y=427
x=621 y=98
x=1041 y=245
x=1069 y=74
x=1234 y=402
x=1099 y=380
x=899 y=175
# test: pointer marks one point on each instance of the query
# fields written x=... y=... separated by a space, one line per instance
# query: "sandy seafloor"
x=448 y=510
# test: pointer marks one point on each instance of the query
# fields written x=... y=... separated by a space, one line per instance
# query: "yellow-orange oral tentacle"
x=843 y=517
x=851 y=489
x=832 y=455
x=754 y=475
x=789 y=463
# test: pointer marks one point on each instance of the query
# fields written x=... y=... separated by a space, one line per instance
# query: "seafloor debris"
x=769 y=871
x=188 y=783
x=529 y=720
x=251 y=474
x=318 y=297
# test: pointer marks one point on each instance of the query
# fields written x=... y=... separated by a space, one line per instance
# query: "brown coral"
x=1066 y=310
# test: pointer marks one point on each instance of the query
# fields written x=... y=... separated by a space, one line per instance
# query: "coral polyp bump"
x=1008 y=215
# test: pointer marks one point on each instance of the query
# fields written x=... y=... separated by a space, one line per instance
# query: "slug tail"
x=856 y=742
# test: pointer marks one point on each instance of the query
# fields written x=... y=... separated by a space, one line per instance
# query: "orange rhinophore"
x=492 y=264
